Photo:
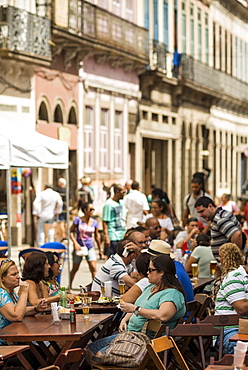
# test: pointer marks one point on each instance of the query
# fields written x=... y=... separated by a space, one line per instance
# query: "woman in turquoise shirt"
x=162 y=300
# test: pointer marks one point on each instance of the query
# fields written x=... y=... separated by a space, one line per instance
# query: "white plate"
x=77 y=303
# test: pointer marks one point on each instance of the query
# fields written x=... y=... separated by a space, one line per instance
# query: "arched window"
x=72 y=116
x=43 y=114
x=58 y=116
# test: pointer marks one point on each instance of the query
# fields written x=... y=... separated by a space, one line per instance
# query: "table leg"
x=47 y=352
x=24 y=362
x=41 y=360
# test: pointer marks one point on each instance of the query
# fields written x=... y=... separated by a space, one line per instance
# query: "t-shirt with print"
x=114 y=213
x=154 y=301
x=4 y=299
x=85 y=231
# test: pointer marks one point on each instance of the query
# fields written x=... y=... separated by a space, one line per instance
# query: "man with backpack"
x=190 y=199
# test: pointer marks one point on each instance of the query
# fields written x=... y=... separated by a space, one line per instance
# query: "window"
x=183 y=28
x=129 y=10
x=192 y=31
x=166 y=23
x=104 y=140
x=206 y=39
x=117 y=7
x=72 y=116
x=214 y=44
x=43 y=114
x=58 y=115
x=89 y=139
x=165 y=119
x=145 y=114
x=155 y=117
x=199 y=31
x=174 y=120
x=155 y=12
x=118 y=146
x=146 y=15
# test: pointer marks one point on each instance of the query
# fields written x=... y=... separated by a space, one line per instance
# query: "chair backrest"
x=26 y=252
x=188 y=331
x=205 y=302
x=71 y=356
x=226 y=360
x=163 y=344
x=220 y=320
x=192 y=308
x=3 y=243
x=157 y=326
x=59 y=247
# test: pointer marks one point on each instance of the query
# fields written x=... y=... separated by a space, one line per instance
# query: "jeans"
x=41 y=232
x=113 y=245
x=228 y=347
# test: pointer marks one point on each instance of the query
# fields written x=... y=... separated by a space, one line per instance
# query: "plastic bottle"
x=63 y=297
x=72 y=313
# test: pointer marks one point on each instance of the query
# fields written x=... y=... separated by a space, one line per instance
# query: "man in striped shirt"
x=224 y=225
x=232 y=298
x=117 y=267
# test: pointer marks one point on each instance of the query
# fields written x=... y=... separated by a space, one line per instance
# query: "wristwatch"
x=137 y=310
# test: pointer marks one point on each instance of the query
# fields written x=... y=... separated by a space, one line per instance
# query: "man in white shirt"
x=136 y=205
x=46 y=208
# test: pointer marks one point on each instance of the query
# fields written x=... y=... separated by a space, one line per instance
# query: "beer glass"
x=102 y=289
x=213 y=265
x=194 y=268
x=122 y=286
x=86 y=303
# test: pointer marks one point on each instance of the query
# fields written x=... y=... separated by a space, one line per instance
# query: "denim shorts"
x=101 y=344
x=228 y=347
x=91 y=256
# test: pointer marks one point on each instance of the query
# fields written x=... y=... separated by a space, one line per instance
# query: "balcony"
x=211 y=80
x=90 y=27
x=157 y=56
x=24 y=35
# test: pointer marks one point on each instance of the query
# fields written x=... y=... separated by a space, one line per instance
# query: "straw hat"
x=159 y=247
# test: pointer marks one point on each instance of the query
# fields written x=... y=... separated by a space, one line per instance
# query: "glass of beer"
x=86 y=310
x=194 y=267
x=122 y=286
x=102 y=289
x=213 y=265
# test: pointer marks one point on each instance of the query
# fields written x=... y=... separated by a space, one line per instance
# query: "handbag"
x=83 y=251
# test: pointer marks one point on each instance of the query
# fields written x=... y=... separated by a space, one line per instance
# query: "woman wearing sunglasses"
x=163 y=300
x=81 y=234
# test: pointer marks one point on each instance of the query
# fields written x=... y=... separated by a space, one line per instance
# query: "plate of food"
x=104 y=300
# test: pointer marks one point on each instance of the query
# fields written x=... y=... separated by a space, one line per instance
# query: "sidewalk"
x=83 y=276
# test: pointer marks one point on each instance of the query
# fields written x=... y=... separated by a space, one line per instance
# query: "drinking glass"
x=86 y=310
x=102 y=289
x=194 y=267
x=212 y=266
x=122 y=286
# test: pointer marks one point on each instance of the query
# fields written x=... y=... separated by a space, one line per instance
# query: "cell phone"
x=126 y=252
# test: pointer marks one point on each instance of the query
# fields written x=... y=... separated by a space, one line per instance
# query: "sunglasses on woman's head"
x=4 y=261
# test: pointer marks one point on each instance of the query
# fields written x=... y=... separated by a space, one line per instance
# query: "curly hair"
x=231 y=256
x=33 y=268
x=4 y=268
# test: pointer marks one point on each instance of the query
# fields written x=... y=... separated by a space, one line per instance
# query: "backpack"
x=127 y=350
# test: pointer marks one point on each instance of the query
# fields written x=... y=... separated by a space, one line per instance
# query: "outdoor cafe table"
x=40 y=328
x=222 y=367
x=236 y=337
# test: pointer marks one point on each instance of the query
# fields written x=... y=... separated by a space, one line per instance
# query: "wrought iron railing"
x=157 y=55
x=24 y=32
x=99 y=25
x=211 y=78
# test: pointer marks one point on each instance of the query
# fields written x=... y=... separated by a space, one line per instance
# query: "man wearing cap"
x=161 y=247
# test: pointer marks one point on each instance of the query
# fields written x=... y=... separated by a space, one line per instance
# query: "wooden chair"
x=156 y=346
x=195 y=331
x=7 y=352
x=220 y=320
x=226 y=360
x=71 y=359
x=205 y=302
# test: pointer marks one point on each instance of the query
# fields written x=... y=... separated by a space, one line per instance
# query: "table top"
x=10 y=351
x=222 y=367
x=236 y=337
x=40 y=327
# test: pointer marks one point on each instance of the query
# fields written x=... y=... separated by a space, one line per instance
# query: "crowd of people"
x=146 y=249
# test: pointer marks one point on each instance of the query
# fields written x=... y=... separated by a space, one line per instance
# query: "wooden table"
x=40 y=328
x=236 y=337
x=222 y=367
x=7 y=352
x=201 y=283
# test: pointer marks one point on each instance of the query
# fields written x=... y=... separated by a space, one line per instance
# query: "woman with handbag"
x=163 y=300
x=81 y=234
